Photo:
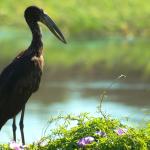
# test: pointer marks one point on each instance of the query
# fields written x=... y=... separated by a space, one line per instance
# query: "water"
x=74 y=96
x=124 y=99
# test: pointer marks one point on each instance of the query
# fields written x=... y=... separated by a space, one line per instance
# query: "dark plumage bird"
x=22 y=76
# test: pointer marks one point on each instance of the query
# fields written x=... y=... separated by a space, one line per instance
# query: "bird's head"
x=34 y=14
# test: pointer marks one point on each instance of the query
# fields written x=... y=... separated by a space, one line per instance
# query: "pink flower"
x=100 y=133
x=121 y=131
x=84 y=141
x=15 y=146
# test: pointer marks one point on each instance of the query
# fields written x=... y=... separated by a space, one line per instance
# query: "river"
x=127 y=100
x=122 y=100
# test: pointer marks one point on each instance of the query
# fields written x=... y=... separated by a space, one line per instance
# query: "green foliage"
x=90 y=17
x=70 y=129
x=65 y=137
x=80 y=22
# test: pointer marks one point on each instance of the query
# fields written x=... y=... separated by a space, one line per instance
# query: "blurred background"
x=106 y=38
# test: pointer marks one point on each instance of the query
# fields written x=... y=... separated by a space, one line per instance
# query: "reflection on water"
x=122 y=100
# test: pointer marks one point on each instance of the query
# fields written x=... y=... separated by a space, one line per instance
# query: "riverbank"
x=107 y=56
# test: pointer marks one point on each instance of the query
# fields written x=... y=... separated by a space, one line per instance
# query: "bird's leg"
x=22 y=125
x=14 y=128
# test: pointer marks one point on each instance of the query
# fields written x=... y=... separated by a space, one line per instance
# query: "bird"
x=22 y=76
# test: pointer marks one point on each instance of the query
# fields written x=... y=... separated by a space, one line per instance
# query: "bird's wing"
x=10 y=76
x=9 y=71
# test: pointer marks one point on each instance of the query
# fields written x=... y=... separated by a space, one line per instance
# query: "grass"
x=103 y=36
x=73 y=128
x=90 y=18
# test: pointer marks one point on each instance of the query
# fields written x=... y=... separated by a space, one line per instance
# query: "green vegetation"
x=104 y=133
x=90 y=17
x=104 y=55
x=103 y=36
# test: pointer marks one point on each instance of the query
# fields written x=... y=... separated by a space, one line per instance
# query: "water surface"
x=62 y=93
x=123 y=100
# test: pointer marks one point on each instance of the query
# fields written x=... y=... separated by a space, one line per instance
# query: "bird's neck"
x=36 y=45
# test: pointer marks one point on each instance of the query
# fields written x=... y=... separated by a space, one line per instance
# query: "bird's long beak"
x=45 y=19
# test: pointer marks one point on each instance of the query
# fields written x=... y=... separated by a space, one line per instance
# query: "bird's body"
x=22 y=76
x=17 y=82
